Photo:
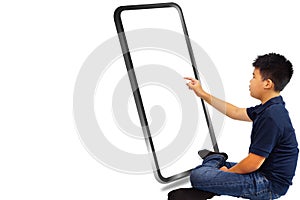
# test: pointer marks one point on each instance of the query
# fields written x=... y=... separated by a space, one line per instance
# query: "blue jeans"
x=208 y=177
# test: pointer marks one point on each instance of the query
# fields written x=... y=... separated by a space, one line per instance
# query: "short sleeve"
x=251 y=112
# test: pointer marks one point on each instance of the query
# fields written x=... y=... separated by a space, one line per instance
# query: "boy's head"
x=276 y=68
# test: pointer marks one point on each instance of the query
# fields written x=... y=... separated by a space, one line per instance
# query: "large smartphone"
x=163 y=30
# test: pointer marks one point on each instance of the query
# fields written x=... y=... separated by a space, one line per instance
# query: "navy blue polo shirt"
x=273 y=137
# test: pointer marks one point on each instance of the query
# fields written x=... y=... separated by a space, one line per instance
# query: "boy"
x=268 y=170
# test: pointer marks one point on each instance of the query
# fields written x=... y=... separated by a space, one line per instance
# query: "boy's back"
x=273 y=137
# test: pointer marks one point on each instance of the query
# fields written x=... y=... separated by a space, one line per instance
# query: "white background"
x=42 y=48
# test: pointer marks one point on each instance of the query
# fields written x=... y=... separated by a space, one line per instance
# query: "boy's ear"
x=268 y=84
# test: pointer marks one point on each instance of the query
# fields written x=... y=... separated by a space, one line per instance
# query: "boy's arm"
x=228 y=109
x=250 y=164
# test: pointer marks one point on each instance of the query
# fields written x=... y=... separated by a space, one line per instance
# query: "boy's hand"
x=195 y=85
x=224 y=168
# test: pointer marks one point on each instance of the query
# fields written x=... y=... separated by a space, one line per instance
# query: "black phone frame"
x=136 y=92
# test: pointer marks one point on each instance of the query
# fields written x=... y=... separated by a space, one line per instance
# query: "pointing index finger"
x=189 y=78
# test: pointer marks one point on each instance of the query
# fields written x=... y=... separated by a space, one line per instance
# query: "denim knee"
x=198 y=176
x=193 y=177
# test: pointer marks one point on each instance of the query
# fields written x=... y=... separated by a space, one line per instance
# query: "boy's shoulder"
x=277 y=113
x=275 y=109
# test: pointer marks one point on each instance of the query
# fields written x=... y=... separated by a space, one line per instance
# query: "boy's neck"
x=269 y=96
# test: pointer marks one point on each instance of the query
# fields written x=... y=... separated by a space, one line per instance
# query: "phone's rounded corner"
x=164 y=180
x=117 y=13
x=160 y=178
x=176 y=6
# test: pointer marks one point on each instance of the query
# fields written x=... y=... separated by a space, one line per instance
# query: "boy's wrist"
x=202 y=94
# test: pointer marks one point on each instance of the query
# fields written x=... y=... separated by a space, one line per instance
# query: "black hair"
x=275 y=67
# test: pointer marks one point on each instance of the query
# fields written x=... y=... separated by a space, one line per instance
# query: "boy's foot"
x=204 y=153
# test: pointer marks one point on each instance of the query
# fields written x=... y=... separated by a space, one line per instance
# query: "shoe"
x=189 y=194
x=204 y=153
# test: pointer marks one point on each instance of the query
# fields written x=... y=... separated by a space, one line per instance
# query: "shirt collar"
x=274 y=100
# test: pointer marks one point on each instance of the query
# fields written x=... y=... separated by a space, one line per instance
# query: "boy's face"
x=257 y=84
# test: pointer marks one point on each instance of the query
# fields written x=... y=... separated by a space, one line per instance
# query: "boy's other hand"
x=224 y=168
